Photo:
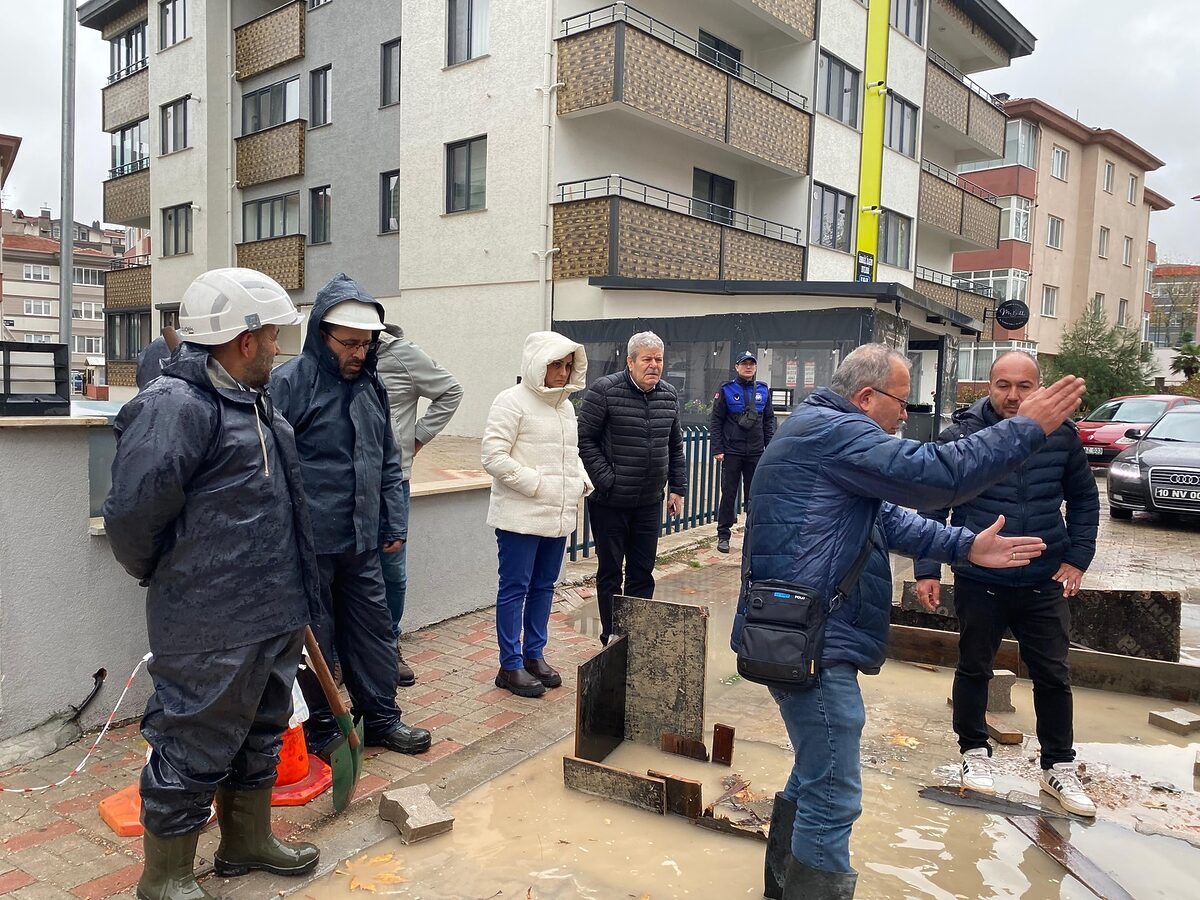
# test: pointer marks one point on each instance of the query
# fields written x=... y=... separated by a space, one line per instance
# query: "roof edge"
x=1001 y=25
x=1156 y=200
x=1041 y=111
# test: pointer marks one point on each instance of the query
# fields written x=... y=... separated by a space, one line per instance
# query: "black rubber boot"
x=168 y=873
x=247 y=841
x=779 y=847
x=806 y=883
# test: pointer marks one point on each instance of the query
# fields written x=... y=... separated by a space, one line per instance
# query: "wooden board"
x=725 y=826
x=723 y=744
x=681 y=746
x=612 y=783
x=684 y=795
x=1040 y=830
x=1003 y=733
x=600 y=702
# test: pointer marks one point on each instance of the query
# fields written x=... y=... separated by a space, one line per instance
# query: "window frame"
x=1014 y=208
x=320 y=114
x=173 y=112
x=39 y=337
x=86 y=339
x=386 y=79
x=470 y=145
x=99 y=276
x=181 y=217
x=27 y=272
x=37 y=306
x=914 y=19
x=1050 y=230
x=1127 y=251
x=475 y=28
x=1049 y=292
x=1058 y=153
x=1109 y=176
x=267 y=90
x=389 y=197
x=903 y=225
x=320 y=215
x=288 y=205
x=129 y=148
x=122 y=61
x=826 y=65
x=911 y=113
x=719 y=52
x=816 y=229
x=176 y=11
x=1102 y=247
x=708 y=206
x=1122 y=312
x=1131 y=191
x=95 y=307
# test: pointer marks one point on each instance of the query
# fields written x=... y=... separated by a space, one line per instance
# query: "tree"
x=1112 y=359
x=1186 y=361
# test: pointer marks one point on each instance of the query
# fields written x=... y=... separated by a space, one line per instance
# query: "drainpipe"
x=66 y=202
x=547 y=89
x=229 y=246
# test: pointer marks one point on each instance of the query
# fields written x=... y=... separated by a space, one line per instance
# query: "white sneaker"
x=1062 y=782
x=977 y=771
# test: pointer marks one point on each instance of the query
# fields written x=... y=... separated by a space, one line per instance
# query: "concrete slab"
x=1177 y=721
x=1000 y=691
x=414 y=813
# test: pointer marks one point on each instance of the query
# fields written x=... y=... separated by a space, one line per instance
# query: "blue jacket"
x=348 y=455
x=831 y=477
x=725 y=430
x=1030 y=499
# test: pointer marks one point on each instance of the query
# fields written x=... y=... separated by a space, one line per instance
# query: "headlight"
x=1124 y=441
x=1124 y=468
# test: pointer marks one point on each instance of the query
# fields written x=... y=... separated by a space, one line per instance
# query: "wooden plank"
x=1040 y=830
x=723 y=744
x=682 y=746
x=600 y=702
x=612 y=783
x=725 y=826
x=684 y=795
x=1002 y=732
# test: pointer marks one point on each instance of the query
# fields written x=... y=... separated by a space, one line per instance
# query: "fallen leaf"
x=381 y=859
x=903 y=740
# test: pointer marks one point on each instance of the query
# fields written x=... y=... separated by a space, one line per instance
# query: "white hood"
x=541 y=349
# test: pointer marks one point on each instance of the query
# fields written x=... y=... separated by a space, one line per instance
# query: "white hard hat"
x=354 y=314
x=222 y=303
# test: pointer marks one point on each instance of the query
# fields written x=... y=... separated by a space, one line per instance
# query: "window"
x=466 y=174
x=128 y=334
x=40 y=338
x=1131 y=194
x=975 y=358
x=389 y=202
x=130 y=149
x=1103 y=249
x=1122 y=311
x=1005 y=284
x=466 y=30
x=313 y=4
x=172 y=22
x=894 y=238
x=714 y=196
x=720 y=53
x=127 y=52
x=1058 y=163
x=1014 y=218
x=389 y=74
x=900 y=125
x=87 y=276
x=1020 y=148
x=1054 y=232
x=837 y=90
x=35 y=273
x=1049 y=301
x=832 y=218
x=1098 y=303
x=93 y=311
x=320 y=103
x=273 y=105
x=271 y=217
x=87 y=343
x=1109 y=171
x=907 y=16
x=173 y=126
x=1127 y=251
x=38 y=308
x=177 y=230
x=319 y=215
x=56 y=231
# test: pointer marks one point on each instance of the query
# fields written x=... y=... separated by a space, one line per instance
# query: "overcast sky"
x=1134 y=67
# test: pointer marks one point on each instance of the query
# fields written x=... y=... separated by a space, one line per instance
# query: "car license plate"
x=1187 y=495
x=1093 y=451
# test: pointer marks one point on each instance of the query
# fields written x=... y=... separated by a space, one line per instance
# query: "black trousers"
x=626 y=538
x=1040 y=620
x=735 y=470
x=214 y=718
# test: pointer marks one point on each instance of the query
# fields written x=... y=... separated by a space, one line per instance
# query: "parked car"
x=1103 y=430
x=1160 y=472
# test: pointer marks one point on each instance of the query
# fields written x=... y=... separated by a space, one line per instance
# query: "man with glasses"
x=332 y=397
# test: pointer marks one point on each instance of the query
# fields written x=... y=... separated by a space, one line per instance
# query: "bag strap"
x=847 y=584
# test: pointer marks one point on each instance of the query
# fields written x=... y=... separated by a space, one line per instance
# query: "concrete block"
x=414 y=813
x=1000 y=691
x=1177 y=721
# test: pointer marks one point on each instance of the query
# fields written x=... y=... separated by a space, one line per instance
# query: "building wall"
x=17 y=290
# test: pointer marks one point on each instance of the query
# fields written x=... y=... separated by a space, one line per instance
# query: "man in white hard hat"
x=353 y=479
x=208 y=512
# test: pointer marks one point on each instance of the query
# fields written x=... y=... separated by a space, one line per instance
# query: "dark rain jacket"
x=351 y=466
x=1030 y=499
x=831 y=478
x=207 y=510
x=727 y=430
x=631 y=441
x=151 y=360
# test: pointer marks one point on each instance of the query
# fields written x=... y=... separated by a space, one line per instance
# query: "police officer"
x=740 y=428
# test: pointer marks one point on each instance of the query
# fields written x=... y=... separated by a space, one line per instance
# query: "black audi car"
x=1161 y=472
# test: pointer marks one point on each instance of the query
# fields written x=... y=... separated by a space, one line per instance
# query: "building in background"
x=1175 y=304
x=9 y=145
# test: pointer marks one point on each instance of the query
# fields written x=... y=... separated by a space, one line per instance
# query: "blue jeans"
x=825 y=726
x=395 y=575
x=529 y=566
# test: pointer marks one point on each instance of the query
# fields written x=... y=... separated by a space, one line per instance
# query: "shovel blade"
x=346 y=764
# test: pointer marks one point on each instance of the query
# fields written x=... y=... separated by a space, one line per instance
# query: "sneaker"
x=1062 y=782
x=977 y=771
x=723 y=545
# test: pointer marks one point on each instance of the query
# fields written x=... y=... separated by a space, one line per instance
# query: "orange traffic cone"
x=299 y=776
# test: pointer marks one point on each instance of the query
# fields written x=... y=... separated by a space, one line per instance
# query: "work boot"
x=406 y=676
x=520 y=683
x=247 y=841
x=543 y=672
x=168 y=873
x=806 y=883
x=779 y=847
x=404 y=739
x=1062 y=781
x=723 y=545
x=977 y=772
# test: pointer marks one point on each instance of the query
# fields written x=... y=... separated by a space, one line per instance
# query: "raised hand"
x=1051 y=406
x=993 y=551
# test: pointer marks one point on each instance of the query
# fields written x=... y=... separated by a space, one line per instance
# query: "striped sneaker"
x=1062 y=782
x=977 y=771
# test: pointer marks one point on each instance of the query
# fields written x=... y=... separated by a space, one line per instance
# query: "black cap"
x=746 y=356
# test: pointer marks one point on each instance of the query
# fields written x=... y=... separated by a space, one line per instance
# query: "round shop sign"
x=1012 y=315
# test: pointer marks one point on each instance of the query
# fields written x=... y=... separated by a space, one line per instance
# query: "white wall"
x=901 y=183
x=829 y=265
x=843 y=30
x=906 y=68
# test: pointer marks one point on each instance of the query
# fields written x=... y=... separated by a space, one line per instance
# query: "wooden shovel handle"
x=321 y=669
x=171 y=338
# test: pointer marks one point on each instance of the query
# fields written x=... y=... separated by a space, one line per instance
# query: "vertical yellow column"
x=870 y=173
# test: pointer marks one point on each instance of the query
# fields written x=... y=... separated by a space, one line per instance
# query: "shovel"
x=345 y=752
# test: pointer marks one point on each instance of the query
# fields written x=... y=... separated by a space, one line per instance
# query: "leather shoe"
x=543 y=672
x=520 y=683
x=723 y=545
x=404 y=739
x=406 y=677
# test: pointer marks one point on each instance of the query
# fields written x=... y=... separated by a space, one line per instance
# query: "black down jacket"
x=1030 y=499
x=631 y=442
x=207 y=510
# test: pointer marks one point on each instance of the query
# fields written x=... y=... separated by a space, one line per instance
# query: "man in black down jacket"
x=631 y=444
x=1032 y=601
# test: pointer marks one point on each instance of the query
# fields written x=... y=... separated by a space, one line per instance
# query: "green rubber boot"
x=247 y=841
x=168 y=873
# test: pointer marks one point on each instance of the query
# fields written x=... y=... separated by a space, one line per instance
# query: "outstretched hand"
x=993 y=551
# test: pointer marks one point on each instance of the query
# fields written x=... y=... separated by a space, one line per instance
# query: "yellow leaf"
x=903 y=740
x=381 y=859
x=391 y=878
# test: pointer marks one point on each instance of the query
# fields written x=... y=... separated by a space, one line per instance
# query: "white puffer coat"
x=531 y=448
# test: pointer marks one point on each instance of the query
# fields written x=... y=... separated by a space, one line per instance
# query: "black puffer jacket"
x=631 y=442
x=1030 y=499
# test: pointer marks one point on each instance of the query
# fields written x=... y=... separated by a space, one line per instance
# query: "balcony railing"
x=958 y=294
x=970 y=85
x=129 y=262
x=129 y=168
x=957 y=180
x=136 y=66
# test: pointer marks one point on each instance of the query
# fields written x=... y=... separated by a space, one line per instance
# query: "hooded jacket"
x=531 y=448
x=348 y=455
x=207 y=510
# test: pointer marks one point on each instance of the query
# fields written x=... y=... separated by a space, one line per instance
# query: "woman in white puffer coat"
x=531 y=450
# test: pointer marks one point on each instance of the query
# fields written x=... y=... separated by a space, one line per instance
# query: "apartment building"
x=10 y=144
x=1175 y=304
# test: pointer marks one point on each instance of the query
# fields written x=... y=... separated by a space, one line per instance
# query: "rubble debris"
x=1042 y=833
x=1177 y=721
x=684 y=795
x=1000 y=691
x=723 y=744
x=414 y=813
x=612 y=783
x=684 y=746
x=1003 y=733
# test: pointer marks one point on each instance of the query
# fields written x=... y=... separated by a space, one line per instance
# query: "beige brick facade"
x=950 y=208
x=125 y=22
x=798 y=14
x=581 y=234
x=270 y=154
x=980 y=221
x=946 y=97
x=586 y=65
x=126 y=101
x=127 y=199
x=973 y=305
x=767 y=127
x=986 y=124
x=269 y=41
x=282 y=258
x=658 y=243
x=120 y=374
x=752 y=257
x=127 y=289
x=674 y=86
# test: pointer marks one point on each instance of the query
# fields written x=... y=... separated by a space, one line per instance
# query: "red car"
x=1103 y=429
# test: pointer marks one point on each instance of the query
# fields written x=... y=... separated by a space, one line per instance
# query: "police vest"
x=738 y=399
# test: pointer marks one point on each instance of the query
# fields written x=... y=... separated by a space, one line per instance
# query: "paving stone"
x=414 y=813
x=1178 y=721
x=1000 y=691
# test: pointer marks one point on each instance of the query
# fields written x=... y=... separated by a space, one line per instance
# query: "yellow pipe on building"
x=870 y=173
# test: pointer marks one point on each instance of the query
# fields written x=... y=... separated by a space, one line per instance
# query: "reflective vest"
x=737 y=398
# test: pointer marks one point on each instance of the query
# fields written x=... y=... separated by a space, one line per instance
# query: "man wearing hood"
x=207 y=511
x=353 y=478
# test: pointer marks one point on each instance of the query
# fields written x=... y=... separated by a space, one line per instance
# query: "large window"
x=173 y=126
x=319 y=214
x=172 y=22
x=1049 y=301
x=81 y=275
x=900 y=125
x=907 y=17
x=837 y=90
x=320 y=102
x=714 y=196
x=38 y=308
x=1059 y=159
x=1014 y=218
x=128 y=334
x=1054 y=232
x=466 y=175
x=1122 y=312
x=1020 y=148
x=389 y=73
x=975 y=358
x=895 y=232
x=177 y=230
x=832 y=218
x=466 y=30
x=1127 y=251
x=389 y=202
x=88 y=310
x=1098 y=303
x=127 y=52
x=271 y=217
x=1131 y=193
x=273 y=105
x=1102 y=250
x=1109 y=172
x=35 y=273
x=40 y=338
x=720 y=53
x=87 y=343
x=1005 y=284
x=130 y=149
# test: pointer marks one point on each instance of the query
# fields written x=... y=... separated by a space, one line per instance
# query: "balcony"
x=619 y=56
x=958 y=294
x=963 y=115
x=619 y=227
x=962 y=211
x=797 y=17
x=127 y=195
x=126 y=98
x=282 y=258
x=273 y=153
x=269 y=40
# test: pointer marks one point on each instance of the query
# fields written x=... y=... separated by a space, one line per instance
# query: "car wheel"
x=1117 y=513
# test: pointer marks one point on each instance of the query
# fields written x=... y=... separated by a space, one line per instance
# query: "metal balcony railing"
x=623 y=12
x=974 y=87
x=129 y=262
x=957 y=180
x=129 y=168
x=136 y=66
x=952 y=281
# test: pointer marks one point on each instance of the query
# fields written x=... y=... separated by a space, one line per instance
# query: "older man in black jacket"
x=631 y=444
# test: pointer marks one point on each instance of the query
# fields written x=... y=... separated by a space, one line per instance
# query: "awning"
x=97 y=361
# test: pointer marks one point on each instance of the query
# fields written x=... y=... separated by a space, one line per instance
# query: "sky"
x=1132 y=67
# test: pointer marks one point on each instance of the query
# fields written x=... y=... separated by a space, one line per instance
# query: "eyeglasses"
x=355 y=346
x=903 y=403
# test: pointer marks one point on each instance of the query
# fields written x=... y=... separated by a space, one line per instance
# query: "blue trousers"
x=395 y=575
x=825 y=726
x=529 y=566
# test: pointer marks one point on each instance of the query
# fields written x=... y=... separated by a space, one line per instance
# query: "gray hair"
x=1029 y=356
x=641 y=341
x=867 y=366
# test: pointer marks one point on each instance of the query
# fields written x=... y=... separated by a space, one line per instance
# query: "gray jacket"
x=408 y=374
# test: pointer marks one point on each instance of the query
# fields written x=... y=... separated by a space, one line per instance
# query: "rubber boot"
x=168 y=873
x=247 y=841
x=779 y=847
x=806 y=883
